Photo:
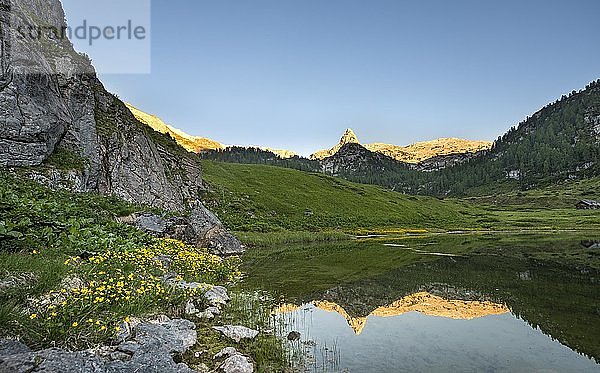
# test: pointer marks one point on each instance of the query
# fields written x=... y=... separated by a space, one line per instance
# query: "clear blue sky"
x=295 y=74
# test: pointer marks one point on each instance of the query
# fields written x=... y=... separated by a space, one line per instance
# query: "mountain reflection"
x=422 y=302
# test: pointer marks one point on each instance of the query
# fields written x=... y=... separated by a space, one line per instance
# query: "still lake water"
x=468 y=303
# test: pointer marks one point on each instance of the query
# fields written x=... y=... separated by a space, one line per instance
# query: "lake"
x=452 y=302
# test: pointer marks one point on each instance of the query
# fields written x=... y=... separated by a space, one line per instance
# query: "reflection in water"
x=413 y=342
x=422 y=302
x=413 y=312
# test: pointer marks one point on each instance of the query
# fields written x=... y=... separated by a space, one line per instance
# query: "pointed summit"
x=349 y=137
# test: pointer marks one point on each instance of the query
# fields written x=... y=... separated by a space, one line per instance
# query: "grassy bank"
x=291 y=237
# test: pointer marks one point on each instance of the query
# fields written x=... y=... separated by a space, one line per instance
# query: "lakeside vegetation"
x=71 y=275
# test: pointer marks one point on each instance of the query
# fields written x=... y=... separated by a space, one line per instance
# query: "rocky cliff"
x=349 y=137
x=353 y=159
x=51 y=101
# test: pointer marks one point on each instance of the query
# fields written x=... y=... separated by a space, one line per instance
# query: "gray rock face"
x=593 y=119
x=33 y=115
x=10 y=347
x=206 y=229
x=51 y=100
x=236 y=332
x=150 y=350
x=444 y=161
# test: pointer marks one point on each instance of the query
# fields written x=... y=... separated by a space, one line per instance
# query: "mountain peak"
x=414 y=153
x=349 y=137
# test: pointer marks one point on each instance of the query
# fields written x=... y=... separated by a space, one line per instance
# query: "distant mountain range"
x=191 y=143
x=414 y=153
x=559 y=142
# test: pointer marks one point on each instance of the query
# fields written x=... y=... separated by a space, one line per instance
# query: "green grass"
x=64 y=159
x=290 y=237
x=259 y=198
x=562 y=195
x=48 y=236
x=253 y=199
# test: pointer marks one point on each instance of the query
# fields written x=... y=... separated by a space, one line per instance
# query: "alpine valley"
x=128 y=245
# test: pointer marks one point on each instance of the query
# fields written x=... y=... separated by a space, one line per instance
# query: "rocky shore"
x=154 y=345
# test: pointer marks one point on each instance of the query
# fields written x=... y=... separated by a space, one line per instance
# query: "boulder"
x=216 y=296
x=237 y=364
x=201 y=229
x=12 y=347
x=151 y=223
x=234 y=362
x=151 y=349
x=226 y=352
x=206 y=230
x=190 y=308
x=236 y=332
x=293 y=336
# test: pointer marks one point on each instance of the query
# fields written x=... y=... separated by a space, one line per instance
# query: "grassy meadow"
x=271 y=205
x=259 y=198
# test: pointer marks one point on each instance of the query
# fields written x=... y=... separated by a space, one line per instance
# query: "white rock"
x=214 y=310
x=238 y=364
x=190 y=308
x=226 y=352
x=237 y=333
x=206 y=315
x=217 y=295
